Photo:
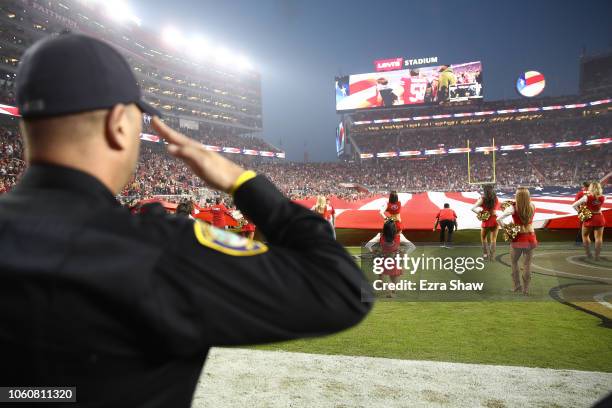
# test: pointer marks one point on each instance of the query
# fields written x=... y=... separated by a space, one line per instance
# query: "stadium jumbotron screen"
x=415 y=86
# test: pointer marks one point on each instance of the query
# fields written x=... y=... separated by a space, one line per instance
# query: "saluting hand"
x=214 y=169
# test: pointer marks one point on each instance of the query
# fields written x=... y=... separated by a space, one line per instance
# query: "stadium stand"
x=160 y=174
x=222 y=107
x=515 y=128
x=595 y=74
x=197 y=95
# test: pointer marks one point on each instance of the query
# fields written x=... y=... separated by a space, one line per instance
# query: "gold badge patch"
x=227 y=242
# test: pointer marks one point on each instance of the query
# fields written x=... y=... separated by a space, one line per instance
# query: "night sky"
x=299 y=47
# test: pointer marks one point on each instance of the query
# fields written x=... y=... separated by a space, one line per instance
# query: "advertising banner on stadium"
x=530 y=84
x=541 y=145
x=513 y=147
x=388 y=64
x=604 y=140
x=574 y=143
x=410 y=153
x=150 y=138
x=415 y=86
x=468 y=114
x=459 y=150
x=487 y=149
x=340 y=139
x=386 y=154
x=392 y=64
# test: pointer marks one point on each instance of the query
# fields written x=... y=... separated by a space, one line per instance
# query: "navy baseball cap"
x=72 y=73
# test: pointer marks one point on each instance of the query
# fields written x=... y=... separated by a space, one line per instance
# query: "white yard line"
x=568 y=274
x=254 y=378
x=601 y=299
x=571 y=260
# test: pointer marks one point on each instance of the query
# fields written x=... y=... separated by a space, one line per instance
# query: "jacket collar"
x=55 y=177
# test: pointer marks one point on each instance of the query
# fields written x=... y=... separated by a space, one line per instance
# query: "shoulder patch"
x=227 y=242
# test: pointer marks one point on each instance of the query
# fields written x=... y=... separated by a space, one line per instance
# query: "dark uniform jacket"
x=126 y=307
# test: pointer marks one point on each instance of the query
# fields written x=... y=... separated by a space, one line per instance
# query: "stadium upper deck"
x=220 y=95
x=519 y=124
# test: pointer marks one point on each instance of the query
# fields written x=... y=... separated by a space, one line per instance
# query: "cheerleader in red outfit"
x=392 y=211
x=593 y=200
x=388 y=243
x=248 y=229
x=522 y=212
x=326 y=211
x=488 y=228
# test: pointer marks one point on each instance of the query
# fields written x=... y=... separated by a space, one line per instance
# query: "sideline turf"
x=534 y=334
x=523 y=333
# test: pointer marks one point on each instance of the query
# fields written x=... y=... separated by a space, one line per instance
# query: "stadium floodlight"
x=172 y=37
x=199 y=47
x=136 y=20
x=243 y=63
x=223 y=56
x=120 y=11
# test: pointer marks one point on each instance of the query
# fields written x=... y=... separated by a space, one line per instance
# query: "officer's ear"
x=116 y=133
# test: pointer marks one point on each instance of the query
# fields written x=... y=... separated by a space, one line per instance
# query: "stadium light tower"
x=199 y=47
x=172 y=37
x=223 y=56
x=243 y=63
x=120 y=11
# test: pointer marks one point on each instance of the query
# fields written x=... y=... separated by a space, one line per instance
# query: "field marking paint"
x=557 y=272
x=570 y=260
x=601 y=299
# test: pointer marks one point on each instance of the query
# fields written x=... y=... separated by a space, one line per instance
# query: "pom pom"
x=584 y=213
x=483 y=215
x=511 y=231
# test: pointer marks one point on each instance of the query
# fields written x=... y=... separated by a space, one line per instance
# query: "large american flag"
x=553 y=209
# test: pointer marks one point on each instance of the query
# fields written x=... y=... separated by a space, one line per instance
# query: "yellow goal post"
x=493 y=179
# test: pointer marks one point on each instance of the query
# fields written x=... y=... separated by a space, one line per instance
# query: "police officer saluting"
x=124 y=307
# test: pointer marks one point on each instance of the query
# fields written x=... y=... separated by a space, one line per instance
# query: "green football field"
x=564 y=323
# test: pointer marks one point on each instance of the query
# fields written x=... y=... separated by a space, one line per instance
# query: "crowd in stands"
x=472 y=106
x=537 y=130
x=595 y=75
x=169 y=81
x=160 y=174
x=221 y=136
x=7 y=95
x=11 y=158
x=443 y=173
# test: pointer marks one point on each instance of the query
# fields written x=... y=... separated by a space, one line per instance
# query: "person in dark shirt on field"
x=447 y=219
